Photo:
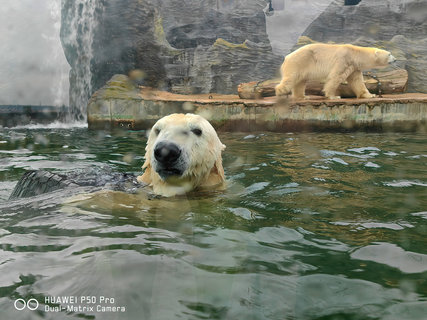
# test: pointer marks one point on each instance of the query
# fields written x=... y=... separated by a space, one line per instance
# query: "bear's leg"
x=284 y=87
x=298 y=92
x=337 y=76
x=331 y=87
x=355 y=81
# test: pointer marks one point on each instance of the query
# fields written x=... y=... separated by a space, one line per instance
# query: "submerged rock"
x=34 y=183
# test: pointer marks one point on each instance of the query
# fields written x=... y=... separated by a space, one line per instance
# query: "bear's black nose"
x=166 y=152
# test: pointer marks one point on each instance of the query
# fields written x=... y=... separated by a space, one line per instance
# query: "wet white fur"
x=201 y=155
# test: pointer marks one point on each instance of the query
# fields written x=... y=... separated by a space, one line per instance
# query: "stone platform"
x=140 y=109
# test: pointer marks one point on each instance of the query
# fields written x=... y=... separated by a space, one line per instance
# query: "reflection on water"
x=312 y=226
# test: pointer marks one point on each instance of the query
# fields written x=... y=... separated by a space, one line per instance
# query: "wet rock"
x=34 y=183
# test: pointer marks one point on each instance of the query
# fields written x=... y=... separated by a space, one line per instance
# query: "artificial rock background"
x=184 y=46
x=201 y=46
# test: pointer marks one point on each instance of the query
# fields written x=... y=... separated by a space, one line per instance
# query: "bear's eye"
x=197 y=131
x=157 y=131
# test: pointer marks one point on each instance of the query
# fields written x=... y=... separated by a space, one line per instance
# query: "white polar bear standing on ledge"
x=332 y=63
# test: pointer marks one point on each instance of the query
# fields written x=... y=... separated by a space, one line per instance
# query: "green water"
x=312 y=226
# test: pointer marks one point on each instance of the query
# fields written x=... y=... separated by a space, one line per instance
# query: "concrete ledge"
x=403 y=112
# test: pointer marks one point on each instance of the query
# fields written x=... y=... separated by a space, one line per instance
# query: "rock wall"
x=396 y=25
x=185 y=46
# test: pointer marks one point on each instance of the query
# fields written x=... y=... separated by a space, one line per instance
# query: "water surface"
x=312 y=226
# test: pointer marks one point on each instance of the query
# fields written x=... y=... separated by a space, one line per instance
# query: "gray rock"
x=396 y=25
x=222 y=66
x=416 y=62
x=34 y=183
x=45 y=182
x=379 y=20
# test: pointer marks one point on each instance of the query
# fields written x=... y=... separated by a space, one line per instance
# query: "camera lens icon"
x=20 y=304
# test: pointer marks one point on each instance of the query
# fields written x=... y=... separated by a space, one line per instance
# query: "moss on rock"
x=225 y=43
x=118 y=87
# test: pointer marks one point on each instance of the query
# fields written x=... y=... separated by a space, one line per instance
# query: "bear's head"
x=383 y=57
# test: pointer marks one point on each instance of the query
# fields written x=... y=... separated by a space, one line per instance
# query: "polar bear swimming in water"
x=183 y=153
x=332 y=63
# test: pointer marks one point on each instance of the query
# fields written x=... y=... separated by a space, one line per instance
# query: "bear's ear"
x=218 y=164
x=218 y=168
x=146 y=176
x=216 y=178
x=146 y=167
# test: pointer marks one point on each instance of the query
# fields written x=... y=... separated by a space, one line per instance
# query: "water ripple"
x=393 y=256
